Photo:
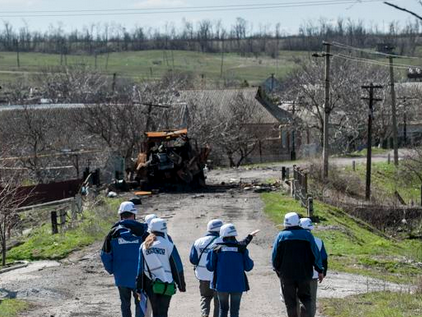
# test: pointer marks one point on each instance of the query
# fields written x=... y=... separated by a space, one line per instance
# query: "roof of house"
x=220 y=99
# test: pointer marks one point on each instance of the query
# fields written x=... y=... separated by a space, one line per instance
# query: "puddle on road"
x=233 y=211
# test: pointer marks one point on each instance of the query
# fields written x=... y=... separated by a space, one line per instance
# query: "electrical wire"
x=106 y=12
x=372 y=62
x=348 y=47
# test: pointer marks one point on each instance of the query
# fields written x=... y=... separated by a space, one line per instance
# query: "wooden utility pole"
x=327 y=110
x=371 y=100
x=394 y=113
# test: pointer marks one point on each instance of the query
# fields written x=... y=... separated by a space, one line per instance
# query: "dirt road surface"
x=79 y=286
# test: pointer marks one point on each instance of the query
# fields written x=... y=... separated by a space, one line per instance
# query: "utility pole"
x=371 y=100
x=293 y=152
x=404 y=98
x=393 y=109
x=327 y=110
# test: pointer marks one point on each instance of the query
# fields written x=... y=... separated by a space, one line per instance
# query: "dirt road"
x=78 y=286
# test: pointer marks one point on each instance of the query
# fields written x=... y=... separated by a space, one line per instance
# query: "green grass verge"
x=153 y=64
x=41 y=244
x=388 y=179
x=353 y=246
x=378 y=304
x=12 y=307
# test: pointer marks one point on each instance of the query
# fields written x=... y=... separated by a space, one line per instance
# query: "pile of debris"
x=169 y=158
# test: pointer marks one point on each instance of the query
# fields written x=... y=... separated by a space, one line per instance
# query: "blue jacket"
x=120 y=251
x=295 y=254
x=229 y=260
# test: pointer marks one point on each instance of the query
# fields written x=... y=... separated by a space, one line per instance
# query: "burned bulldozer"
x=169 y=158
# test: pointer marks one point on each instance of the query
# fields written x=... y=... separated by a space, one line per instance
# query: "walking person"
x=198 y=257
x=295 y=255
x=306 y=223
x=120 y=255
x=229 y=260
x=160 y=268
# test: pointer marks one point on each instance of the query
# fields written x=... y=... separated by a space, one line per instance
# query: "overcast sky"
x=290 y=18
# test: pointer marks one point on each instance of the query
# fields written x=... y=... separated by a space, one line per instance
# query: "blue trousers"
x=125 y=298
x=229 y=301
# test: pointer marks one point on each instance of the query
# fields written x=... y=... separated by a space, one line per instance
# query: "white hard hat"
x=228 y=230
x=214 y=225
x=291 y=219
x=306 y=223
x=158 y=225
x=149 y=218
x=127 y=206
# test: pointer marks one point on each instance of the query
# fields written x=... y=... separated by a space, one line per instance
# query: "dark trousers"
x=160 y=303
x=229 y=301
x=207 y=295
x=294 y=291
x=125 y=298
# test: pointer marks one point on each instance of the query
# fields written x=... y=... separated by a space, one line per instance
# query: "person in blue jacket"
x=295 y=255
x=120 y=254
x=229 y=260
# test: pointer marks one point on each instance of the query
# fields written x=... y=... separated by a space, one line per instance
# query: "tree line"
x=207 y=36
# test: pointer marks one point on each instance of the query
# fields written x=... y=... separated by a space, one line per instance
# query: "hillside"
x=153 y=64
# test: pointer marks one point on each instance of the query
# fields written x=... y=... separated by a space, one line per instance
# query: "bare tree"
x=348 y=113
x=10 y=200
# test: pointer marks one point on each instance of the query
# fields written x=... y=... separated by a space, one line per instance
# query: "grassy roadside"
x=12 y=307
x=386 y=178
x=354 y=246
x=41 y=244
x=378 y=304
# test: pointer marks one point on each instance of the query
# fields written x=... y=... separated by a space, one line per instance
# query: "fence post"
x=421 y=195
x=62 y=214
x=305 y=183
x=283 y=173
x=54 y=226
x=354 y=166
x=287 y=172
x=389 y=158
x=310 y=207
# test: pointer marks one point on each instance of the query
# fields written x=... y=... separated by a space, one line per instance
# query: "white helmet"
x=127 y=206
x=158 y=225
x=149 y=218
x=214 y=225
x=306 y=223
x=291 y=219
x=228 y=230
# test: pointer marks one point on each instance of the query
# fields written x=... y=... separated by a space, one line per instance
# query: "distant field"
x=153 y=64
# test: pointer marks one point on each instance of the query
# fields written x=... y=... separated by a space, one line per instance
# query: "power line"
x=345 y=46
x=107 y=12
x=371 y=61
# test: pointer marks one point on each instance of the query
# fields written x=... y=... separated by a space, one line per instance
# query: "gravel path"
x=79 y=286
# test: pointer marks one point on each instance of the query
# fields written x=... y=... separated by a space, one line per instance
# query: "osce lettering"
x=123 y=241
x=156 y=251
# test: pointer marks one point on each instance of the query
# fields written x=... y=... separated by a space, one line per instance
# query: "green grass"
x=378 y=304
x=353 y=246
x=153 y=64
x=12 y=307
x=388 y=179
x=41 y=244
